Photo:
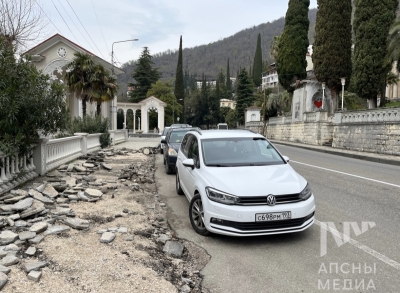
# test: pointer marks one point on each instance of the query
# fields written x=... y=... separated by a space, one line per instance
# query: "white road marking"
x=348 y=174
x=364 y=248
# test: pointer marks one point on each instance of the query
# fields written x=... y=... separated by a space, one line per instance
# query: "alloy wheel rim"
x=198 y=214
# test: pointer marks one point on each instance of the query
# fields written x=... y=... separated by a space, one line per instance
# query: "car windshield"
x=230 y=152
x=177 y=136
x=165 y=131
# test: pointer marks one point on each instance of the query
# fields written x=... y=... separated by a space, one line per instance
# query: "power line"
x=59 y=1
x=85 y=29
x=64 y=20
x=105 y=43
x=47 y=16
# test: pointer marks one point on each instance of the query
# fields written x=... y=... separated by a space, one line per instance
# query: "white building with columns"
x=51 y=57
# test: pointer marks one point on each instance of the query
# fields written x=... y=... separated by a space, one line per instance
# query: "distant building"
x=227 y=103
x=213 y=82
x=129 y=89
x=252 y=114
x=270 y=77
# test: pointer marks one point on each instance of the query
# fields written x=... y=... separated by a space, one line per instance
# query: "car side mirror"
x=163 y=141
x=286 y=158
x=188 y=163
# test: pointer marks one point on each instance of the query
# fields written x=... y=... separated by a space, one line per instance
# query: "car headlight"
x=306 y=193
x=221 y=197
x=172 y=152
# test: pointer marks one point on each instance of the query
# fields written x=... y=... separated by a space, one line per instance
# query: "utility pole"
x=113 y=106
x=264 y=115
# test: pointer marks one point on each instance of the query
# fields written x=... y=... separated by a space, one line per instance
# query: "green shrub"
x=105 y=140
x=29 y=102
x=89 y=124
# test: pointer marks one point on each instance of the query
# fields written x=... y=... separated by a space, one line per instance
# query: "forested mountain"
x=210 y=59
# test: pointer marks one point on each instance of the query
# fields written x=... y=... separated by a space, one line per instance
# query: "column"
x=134 y=121
x=144 y=122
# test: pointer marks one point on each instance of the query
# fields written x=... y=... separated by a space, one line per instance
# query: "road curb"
x=339 y=153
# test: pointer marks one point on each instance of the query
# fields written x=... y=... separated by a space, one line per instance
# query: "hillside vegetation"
x=211 y=58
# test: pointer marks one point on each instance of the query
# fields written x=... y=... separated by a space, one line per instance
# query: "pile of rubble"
x=28 y=215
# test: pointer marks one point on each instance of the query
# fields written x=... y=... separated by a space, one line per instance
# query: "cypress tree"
x=244 y=94
x=179 y=87
x=292 y=49
x=228 y=79
x=372 y=20
x=332 y=46
x=145 y=75
x=258 y=64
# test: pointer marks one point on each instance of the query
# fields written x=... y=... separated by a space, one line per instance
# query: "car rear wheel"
x=168 y=169
x=196 y=215
x=178 y=184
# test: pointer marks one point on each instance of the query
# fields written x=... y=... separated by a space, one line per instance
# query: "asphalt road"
x=348 y=193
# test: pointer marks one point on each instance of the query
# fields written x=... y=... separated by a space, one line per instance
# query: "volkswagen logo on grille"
x=271 y=201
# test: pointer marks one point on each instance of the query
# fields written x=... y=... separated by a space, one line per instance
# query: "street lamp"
x=343 y=80
x=173 y=111
x=112 y=53
x=113 y=107
x=323 y=94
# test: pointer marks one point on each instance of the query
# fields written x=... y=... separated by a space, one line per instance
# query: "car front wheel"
x=196 y=215
x=168 y=169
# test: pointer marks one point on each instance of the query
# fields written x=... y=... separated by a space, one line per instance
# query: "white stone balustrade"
x=368 y=116
x=93 y=142
x=275 y=120
x=119 y=135
x=320 y=116
x=15 y=170
x=48 y=155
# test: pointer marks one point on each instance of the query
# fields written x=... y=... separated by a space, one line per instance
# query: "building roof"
x=57 y=38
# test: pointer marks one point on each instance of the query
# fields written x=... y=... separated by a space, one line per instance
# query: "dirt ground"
x=133 y=261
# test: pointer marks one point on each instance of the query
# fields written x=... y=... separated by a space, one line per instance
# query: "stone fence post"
x=40 y=156
x=126 y=134
x=338 y=117
x=83 y=141
x=112 y=136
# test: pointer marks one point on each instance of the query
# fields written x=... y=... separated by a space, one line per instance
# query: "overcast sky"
x=157 y=24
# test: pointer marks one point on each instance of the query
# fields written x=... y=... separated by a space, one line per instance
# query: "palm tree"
x=79 y=77
x=279 y=101
x=104 y=87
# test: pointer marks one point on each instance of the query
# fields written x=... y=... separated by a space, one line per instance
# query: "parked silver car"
x=164 y=133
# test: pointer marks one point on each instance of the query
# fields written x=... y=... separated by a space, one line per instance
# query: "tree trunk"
x=84 y=107
x=98 y=108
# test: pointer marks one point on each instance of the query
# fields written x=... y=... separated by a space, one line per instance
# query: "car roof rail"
x=198 y=130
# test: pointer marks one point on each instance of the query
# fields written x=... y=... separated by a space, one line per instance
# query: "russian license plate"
x=273 y=216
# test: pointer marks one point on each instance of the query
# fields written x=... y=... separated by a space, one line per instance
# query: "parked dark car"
x=171 y=144
x=163 y=135
x=180 y=125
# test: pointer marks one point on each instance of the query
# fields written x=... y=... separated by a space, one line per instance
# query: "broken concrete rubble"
x=44 y=210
